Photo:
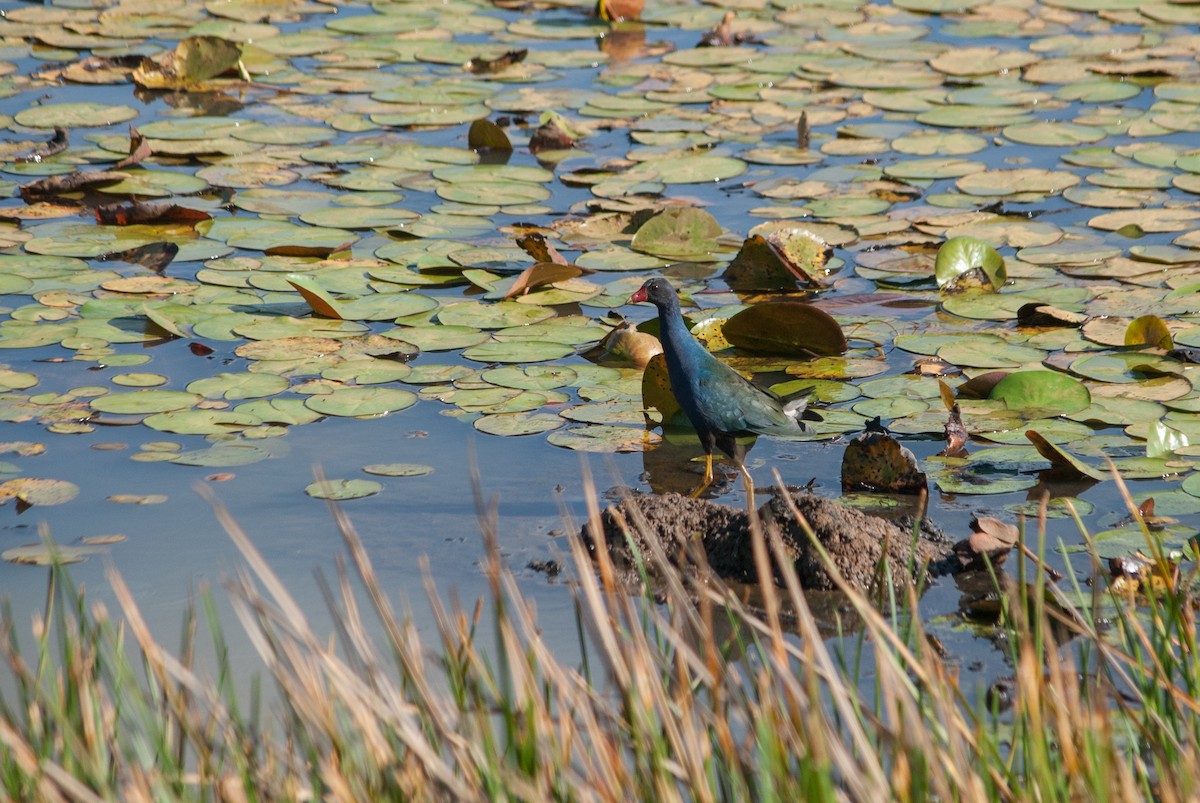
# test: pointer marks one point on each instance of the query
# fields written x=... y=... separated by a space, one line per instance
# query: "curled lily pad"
x=960 y=257
x=1149 y=330
x=1042 y=391
x=787 y=327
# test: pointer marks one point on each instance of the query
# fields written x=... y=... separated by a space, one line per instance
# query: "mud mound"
x=855 y=541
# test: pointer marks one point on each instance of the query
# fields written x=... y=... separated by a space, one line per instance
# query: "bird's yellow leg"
x=749 y=481
x=708 y=477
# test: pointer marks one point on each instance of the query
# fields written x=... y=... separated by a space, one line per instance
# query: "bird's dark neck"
x=676 y=339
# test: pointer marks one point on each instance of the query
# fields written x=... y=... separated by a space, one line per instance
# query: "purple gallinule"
x=721 y=404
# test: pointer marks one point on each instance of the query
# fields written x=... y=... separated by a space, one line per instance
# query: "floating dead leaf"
x=956 y=434
x=1036 y=314
x=57 y=144
x=536 y=246
x=104 y=540
x=989 y=543
x=135 y=213
x=155 y=256
x=1062 y=461
x=315 y=296
x=980 y=387
x=482 y=66
x=139 y=149
x=723 y=35
x=541 y=274
x=70 y=182
x=318 y=251
x=874 y=461
x=138 y=499
x=551 y=135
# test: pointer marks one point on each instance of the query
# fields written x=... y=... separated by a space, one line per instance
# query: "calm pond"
x=329 y=144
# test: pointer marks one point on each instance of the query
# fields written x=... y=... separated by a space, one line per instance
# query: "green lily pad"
x=523 y=423
x=680 y=232
x=604 y=438
x=223 y=455
x=1047 y=391
x=145 y=401
x=961 y=256
x=237 y=386
x=362 y=402
x=518 y=351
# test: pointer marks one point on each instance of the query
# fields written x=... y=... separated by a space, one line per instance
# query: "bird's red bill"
x=638 y=297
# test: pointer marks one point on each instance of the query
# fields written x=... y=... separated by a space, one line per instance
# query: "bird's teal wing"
x=734 y=404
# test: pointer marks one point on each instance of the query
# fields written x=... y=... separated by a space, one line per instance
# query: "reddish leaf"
x=154 y=212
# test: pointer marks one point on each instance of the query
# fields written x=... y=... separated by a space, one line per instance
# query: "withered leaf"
x=57 y=144
x=70 y=182
x=723 y=35
x=536 y=246
x=875 y=461
x=153 y=212
x=322 y=252
x=139 y=149
x=155 y=256
x=550 y=136
x=482 y=66
x=540 y=274
x=956 y=434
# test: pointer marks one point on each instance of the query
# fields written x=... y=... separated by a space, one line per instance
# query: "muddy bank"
x=855 y=541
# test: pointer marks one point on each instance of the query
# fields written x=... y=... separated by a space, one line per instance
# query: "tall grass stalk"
x=688 y=696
